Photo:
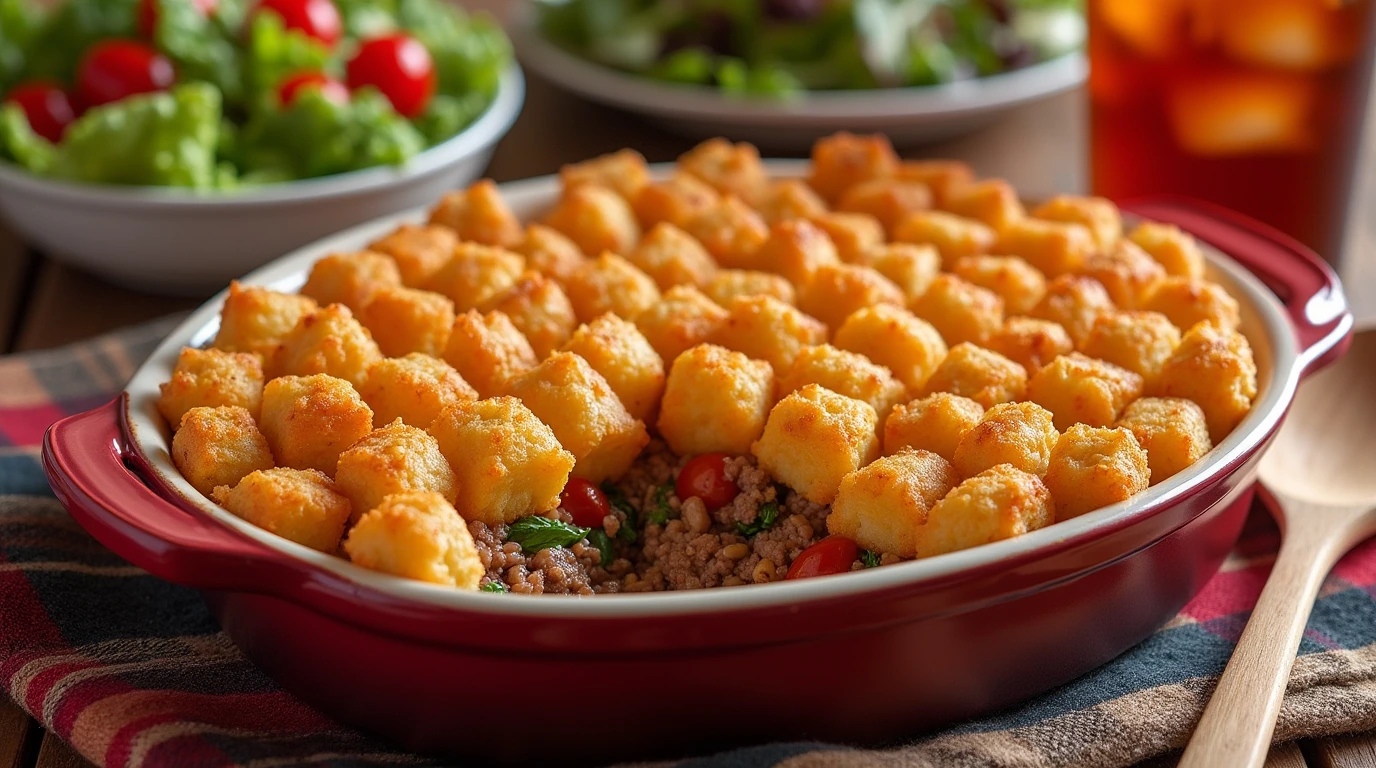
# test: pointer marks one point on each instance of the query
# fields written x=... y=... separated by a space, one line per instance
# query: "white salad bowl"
x=184 y=242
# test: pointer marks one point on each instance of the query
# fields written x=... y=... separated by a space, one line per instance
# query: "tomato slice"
x=116 y=69
x=47 y=107
x=318 y=18
x=148 y=14
x=834 y=554
x=331 y=88
x=400 y=67
x=704 y=476
x=585 y=502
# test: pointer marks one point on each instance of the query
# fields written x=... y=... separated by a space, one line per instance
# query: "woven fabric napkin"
x=132 y=671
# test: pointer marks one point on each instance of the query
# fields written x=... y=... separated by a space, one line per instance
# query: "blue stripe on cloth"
x=92 y=609
x=21 y=474
x=1348 y=618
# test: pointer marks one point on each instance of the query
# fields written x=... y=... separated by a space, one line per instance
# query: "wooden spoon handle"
x=1237 y=724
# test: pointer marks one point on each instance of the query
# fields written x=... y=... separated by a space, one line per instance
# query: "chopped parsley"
x=494 y=586
x=599 y=538
x=870 y=558
x=617 y=498
x=535 y=533
x=764 y=520
x=659 y=510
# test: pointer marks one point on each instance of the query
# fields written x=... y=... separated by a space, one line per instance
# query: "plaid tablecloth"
x=132 y=671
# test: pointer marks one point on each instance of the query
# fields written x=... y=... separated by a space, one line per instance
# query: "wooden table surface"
x=1039 y=148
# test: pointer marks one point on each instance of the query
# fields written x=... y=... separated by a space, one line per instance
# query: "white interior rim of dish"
x=642 y=94
x=1265 y=322
x=481 y=134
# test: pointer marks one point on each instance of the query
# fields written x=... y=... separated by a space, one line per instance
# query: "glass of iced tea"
x=1256 y=105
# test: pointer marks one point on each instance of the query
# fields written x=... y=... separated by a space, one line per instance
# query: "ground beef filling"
x=690 y=549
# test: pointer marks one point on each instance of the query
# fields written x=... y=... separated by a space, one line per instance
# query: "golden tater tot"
x=992 y=201
x=1093 y=467
x=838 y=290
x=310 y=420
x=790 y=199
x=328 y=340
x=815 y=437
x=940 y=176
x=1019 y=434
x=896 y=339
x=678 y=200
x=478 y=215
x=610 y=283
x=953 y=236
x=1053 y=247
x=1082 y=390
x=842 y=160
x=256 y=319
x=935 y=423
x=476 y=273
x=1126 y=271
x=596 y=219
x=210 y=378
x=999 y=503
x=616 y=349
x=1174 y=249
x=1030 y=342
x=909 y=266
x=1187 y=302
x=623 y=171
x=855 y=235
x=417 y=535
x=960 y=310
x=406 y=320
x=881 y=506
x=587 y=417
x=715 y=400
x=350 y=278
x=1172 y=430
x=1099 y=214
x=539 y=309
x=487 y=350
x=683 y=318
x=986 y=377
x=1213 y=367
x=673 y=257
x=727 y=284
x=845 y=373
x=795 y=249
x=549 y=252
x=414 y=388
x=768 y=329
x=1018 y=283
x=1138 y=341
x=507 y=463
x=419 y=251
x=392 y=459
x=731 y=231
x=1074 y=302
x=301 y=505
x=887 y=200
x=217 y=446
x=731 y=169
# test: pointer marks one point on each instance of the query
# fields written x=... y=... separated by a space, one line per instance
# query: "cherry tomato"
x=317 y=18
x=115 y=69
x=47 y=107
x=834 y=554
x=585 y=502
x=400 y=67
x=148 y=14
x=704 y=476
x=331 y=88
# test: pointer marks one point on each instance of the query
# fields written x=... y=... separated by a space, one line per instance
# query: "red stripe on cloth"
x=43 y=682
x=1228 y=593
x=79 y=697
x=25 y=426
x=1359 y=565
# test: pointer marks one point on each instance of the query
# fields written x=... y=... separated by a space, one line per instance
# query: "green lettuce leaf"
x=274 y=52
x=367 y=18
x=19 y=21
x=56 y=49
x=470 y=52
x=447 y=115
x=200 y=48
x=20 y=144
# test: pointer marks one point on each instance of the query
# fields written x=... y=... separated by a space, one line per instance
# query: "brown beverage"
x=1253 y=104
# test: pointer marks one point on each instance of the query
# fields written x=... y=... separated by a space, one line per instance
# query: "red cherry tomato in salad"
x=329 y=87
x=47 y=107
x=834 y=554
x=400 y=67
x=704 y=476
x=115 y=69
x=148 y=14
x=585 y=502
x=316 y=18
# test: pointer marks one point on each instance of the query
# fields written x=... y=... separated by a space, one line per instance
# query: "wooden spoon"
x=1321 y=471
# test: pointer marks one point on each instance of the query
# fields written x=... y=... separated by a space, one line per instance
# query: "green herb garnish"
x=659 y=510
x=494 y=586
x=764 y=520
x=599 y=538
x=617 y=498
x=535 y=533
x=870 y=558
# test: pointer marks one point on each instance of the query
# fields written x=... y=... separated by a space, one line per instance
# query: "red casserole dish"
x=867 y=656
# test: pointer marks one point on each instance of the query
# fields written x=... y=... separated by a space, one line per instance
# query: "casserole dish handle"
x=88 y=462
x=1307 y=287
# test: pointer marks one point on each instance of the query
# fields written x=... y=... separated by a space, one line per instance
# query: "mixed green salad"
x=780 y=48
x=222 y=93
